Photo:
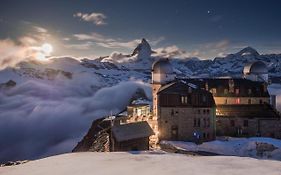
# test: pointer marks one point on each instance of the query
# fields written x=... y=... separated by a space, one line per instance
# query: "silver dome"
x=162 y=66
x=257 y=67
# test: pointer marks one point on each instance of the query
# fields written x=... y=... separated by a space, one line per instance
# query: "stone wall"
x=182 y=123
x=248 y=127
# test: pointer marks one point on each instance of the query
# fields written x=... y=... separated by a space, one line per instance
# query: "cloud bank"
x=45 y=118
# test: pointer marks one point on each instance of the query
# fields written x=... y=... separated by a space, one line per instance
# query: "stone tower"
x=162 y=73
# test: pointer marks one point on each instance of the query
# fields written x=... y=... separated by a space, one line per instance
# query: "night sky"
x=90 y=28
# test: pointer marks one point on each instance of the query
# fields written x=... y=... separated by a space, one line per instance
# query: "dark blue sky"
x=203 y=28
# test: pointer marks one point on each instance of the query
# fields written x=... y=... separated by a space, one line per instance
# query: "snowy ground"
x=256 y=147
x=161 y=164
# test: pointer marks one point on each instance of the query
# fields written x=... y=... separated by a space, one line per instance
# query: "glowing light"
x=47 y=48
x=40 y=56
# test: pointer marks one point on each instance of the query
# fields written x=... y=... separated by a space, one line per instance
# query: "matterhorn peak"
x=248 y=51
x=143 y=50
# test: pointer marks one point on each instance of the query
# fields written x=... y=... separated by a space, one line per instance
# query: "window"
x=225 y=101
x=214 y=91
x=184 y=99
x=172 y=112
x=204 y=98
x=199 y=111
x=249 y=91
x=208 y=111
x=232 y=123
x=249 y=101
x=246 y=123
x=237 y=91
x=208 y=122
x=204 y=122
x=204 y=135
x=196 y=122
x=237 y=101
x=260 y=101
x=204 y=111
x=225 y=91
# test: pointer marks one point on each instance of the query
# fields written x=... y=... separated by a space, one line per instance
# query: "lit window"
x=225 y=91
x=237 y=91
x=237 y=101
x=214 y=91
x=184 y=99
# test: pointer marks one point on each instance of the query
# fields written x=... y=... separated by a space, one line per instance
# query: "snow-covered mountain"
x=118 y=67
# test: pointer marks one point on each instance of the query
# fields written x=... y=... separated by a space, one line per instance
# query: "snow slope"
x=256 y=147
x=144 y=163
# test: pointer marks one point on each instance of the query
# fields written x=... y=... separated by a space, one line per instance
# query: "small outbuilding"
x=131 y=136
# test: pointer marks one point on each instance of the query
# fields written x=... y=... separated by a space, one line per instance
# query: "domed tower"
x=256 y=71
x=162 y=73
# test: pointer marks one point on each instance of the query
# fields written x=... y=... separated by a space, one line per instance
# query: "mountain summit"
x=143 y=50
x=248 y=51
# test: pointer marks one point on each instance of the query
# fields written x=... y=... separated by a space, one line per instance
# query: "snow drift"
x=144 y=163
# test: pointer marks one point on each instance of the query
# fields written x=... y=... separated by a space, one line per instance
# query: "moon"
x=47 y=49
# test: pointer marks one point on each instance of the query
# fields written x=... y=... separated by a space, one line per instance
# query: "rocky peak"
x=143 y=50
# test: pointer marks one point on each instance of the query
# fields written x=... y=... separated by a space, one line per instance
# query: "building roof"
x=247 y=88
x=171 y=93
x=162 y=66
x=131 y=131
x=138 y=105
x=247 y=111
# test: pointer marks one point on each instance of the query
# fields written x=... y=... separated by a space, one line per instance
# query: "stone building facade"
x=183 y=111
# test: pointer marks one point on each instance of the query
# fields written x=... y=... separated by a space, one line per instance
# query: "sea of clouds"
x=43 y=118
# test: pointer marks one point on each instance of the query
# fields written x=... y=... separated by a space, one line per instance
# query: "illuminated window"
x=184 y=99
x=237 y=91
x=214 y=91
x=237 y=101
x=225 y=91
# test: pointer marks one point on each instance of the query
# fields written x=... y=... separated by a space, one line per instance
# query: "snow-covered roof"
x=132 y=131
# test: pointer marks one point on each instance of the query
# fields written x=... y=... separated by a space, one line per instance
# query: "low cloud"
x=96 y=18
x=41 y=118
x=174 y=52
x=112 y=43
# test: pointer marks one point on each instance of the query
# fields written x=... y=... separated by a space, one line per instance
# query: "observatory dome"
x=257 y=67
x=162 y=66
